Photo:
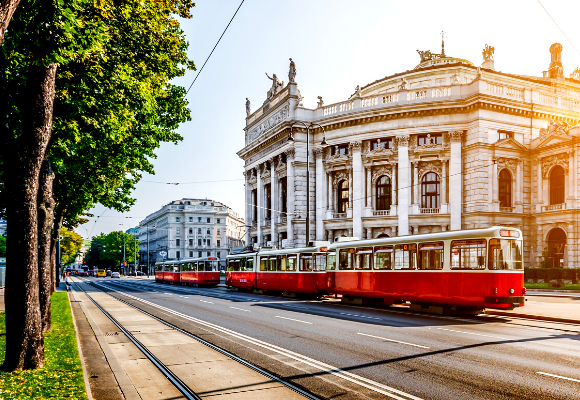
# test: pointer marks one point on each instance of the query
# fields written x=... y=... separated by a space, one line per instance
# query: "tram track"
x=163 y=368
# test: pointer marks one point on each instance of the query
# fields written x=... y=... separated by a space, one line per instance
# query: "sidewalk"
x=557 y=309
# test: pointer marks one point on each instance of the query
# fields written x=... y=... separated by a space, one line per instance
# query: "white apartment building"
x=446 y=145
x=190 y=228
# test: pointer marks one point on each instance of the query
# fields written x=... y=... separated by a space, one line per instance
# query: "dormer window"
x=505 y=135
x=386 y=143
x=430 y=139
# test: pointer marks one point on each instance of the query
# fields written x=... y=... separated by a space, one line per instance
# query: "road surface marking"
x=558 y=376
x=292 y=319
x=471 y=333
x=323 y=367
x=203 y=301
x=184 y=297
x=241 y=309
x=171 y=294
x=359 y=315
x=392 y=340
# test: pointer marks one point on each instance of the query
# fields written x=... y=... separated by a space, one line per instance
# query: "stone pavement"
x=546 y=308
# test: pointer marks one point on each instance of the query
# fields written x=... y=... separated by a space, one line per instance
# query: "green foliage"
x=107 y=250
x=530 y=285
x=62 y=375
x=70 y=246
x=2 y=246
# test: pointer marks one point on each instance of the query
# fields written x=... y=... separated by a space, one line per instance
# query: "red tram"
x=200 y=271
x=287 y=271
x=465 y=270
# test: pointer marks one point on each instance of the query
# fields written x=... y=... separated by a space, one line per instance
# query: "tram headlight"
x=512 y=291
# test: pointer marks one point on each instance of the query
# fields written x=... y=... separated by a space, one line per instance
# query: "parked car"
x=115 y=275
x=101 y=273
x=108 y=272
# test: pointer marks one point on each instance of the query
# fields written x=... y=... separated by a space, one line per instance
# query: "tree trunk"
x=45 y=219
x=7 y=8
x=56 y=228
x=24 y=339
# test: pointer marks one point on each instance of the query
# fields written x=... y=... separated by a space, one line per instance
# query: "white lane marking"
x=184 y=297
x=171 y=294
x=332 y=370
x=558 y=376
x=241 y=309
x=358 y=315
x=292 y=319
x=392 y=340
x=471 y=333
x=203 y=301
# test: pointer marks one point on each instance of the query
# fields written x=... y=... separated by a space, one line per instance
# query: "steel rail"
x=174 y=379
x=216 y=348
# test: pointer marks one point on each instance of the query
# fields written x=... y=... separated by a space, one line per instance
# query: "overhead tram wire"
x=554 y=21
x=214 y=47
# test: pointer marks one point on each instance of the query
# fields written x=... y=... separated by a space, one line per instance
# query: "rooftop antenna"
x=442 y=44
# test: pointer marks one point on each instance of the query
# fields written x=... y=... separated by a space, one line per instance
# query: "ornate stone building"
x=444 y=146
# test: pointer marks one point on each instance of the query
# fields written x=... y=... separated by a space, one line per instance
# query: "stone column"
x=260 y=203
x=539 y=184
x=519 y=186
x=572 y=176
x=330 y=192
x=369 y=184
x=349 y=210
x=495 y=188
x=444 y=205
x=248 y=207
x=290 y=193
x=455 y=179
x=273 y=195
x=416 y=205
x=358 y=178
x=320 y=191
x=394 y=190
x=403 y=195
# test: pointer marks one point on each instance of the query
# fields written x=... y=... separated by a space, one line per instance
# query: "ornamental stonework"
x=455 y=136
x=354 y=146
x=507 y=163
x=381 y=171
x=429 y=166
x=561 y=159
x=318 y=152
x=339 y=176
x=403 y=140
x=268 y=124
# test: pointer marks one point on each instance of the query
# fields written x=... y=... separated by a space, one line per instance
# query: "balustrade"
x=349 y=105
x=514 y=92
x=416 y=94
x=329 y=110
x=440 y=92
x=369 y=101
x=548 y=99
x=561 y=206
x=339 y=215
x=391 y=98
x=507 y=209
x=380 y=213
x=429 y=210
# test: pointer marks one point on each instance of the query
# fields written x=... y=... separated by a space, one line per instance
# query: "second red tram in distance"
x=466 y=270
x=200 y=271
x=288 y=271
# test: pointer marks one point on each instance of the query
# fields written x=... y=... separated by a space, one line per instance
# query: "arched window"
x=505 y=188
x=384 y=191
x=383 y=235
x=556 y=248
x=557 y=185
x=343 y=196
x=430 y=185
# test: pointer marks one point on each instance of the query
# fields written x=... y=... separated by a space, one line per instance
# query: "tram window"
x=431 y=255
x=249 y=264
x=363 y=258
x=263 y=263
x=281 y=263
x=292 y=262
x=272 y=264
x=185 y=267
x=331 y=261
x=306 y=262
x=505 y=254
x=320 y=261
x=175 y=267
x=383 y=257
x=405 y=256
x=159 y=267
x=468 y=254
x=211 y=266
x=201 y=266
x=233 y=264
x=345 y=259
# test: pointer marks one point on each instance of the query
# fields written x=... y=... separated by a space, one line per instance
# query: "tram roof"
x=493 y=231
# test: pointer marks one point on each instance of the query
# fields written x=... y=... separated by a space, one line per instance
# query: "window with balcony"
x=386 y=143
x=557 y=185
x=342 y=196
x=430 y=190
x=384 y=191
x=208 y=232
x=505 y=188
x=191 y=242
x=190 y=231
x=191 y=253
x=219 y=254
x=198 y=219
x=177 y=230
x=208 y=220
x=199 y=242
x=199 y=231
x=177 y=242
x=219 y=232
x=199 y=254
x=176 y=219
x=218 y=243
x=209 y=253
x=430 y=139
x=190 y=219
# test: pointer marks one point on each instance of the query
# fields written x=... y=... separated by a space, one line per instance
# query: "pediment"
x=510 y=143
x=550 y=140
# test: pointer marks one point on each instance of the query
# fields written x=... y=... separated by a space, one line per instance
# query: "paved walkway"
x=558 y=309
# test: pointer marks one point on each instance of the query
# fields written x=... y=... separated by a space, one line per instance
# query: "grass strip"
x=564 y=286
x=62 y=374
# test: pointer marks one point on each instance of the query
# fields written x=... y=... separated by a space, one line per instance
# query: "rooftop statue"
x=320 y=101
x=292 y=72
x=357 y=91
x=276 y=84
x=455 y=78
x=426 y=55
x=555 y=127
x=248 y=110
x=404 y=84
x=575 y=74
x=488 y=53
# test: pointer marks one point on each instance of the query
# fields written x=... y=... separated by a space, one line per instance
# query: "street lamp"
x=323 y=143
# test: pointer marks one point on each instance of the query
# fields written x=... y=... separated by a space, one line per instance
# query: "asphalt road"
x=348 y=352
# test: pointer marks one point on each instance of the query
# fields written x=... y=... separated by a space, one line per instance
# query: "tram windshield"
x=505 y=254
x=331 y=261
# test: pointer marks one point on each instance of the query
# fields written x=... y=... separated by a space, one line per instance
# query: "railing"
x=329 y=110
x=391 y=98
x=561 y=206
x=572 y=104
x=369 y=102
x=339 y=215
x=507 y=209
x=441 y=92
x=514 y=92
x=493 y=88
x=429 y=210
x=380 y=213
x=349 y=105
x=417 y=94
x=548 y=99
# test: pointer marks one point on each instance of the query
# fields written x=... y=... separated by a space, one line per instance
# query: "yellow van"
x=101 y=273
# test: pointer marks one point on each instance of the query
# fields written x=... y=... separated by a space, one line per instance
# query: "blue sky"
x=336 y=45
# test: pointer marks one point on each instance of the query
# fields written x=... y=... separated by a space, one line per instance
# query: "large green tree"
x=112 y=249
x=2 y=246
x=70 y=246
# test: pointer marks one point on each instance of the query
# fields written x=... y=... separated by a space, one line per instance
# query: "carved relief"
x=318 y=152
x=380 y=149
x=510 y=163
x=555 y=128
x=290 y=153
x=380 y=171
x=337 y=155
x=561 y=159
x=268 y=124
x=429 y=166
x=403 y=140
x=354 y=146
x=455 y=136
x=429 y=143
x=339 y=176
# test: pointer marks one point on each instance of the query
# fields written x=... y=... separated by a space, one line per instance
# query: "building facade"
x=189 y=228
x=444 y=146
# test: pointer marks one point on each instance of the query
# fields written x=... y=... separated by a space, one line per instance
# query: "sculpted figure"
x=292 y=72
x=488 y=53
x=248 y=110
x=404 y=84
x=320 y=101
x=478 y=76
x=357 y=91
x=275 y=84
x=455 y=78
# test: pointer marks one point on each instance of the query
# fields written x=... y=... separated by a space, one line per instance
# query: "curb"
x=536 y=317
